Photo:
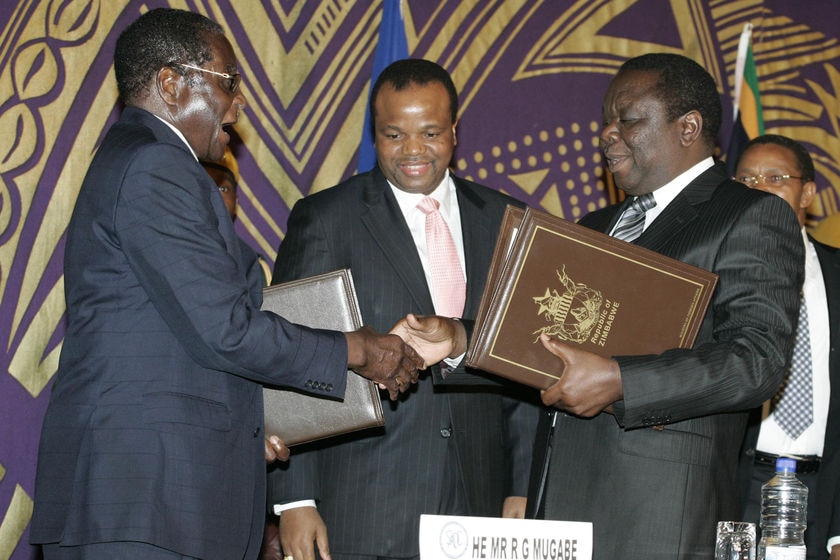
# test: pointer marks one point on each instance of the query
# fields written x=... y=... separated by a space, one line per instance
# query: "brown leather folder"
x=326 y=301
x=511 y=220
x=584 y=287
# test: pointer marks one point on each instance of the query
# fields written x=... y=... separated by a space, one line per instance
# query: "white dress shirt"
x=446 y=195
x=771 y=437
x=669 y=191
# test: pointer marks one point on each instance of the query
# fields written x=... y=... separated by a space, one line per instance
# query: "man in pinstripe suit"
x=646 y=447
x=444 y=449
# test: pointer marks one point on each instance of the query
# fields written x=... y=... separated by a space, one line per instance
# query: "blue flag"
x=391 y=46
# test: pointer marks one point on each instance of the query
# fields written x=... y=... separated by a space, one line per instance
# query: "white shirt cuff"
x=280 y=508
x=832 y=542
x=454 y=362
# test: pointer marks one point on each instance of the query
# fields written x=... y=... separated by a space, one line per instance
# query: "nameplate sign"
x=493 y=538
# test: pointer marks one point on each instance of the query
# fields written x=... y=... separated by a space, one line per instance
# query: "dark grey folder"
x=325 y=301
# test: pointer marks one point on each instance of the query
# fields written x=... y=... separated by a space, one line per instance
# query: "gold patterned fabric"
x=531 y=76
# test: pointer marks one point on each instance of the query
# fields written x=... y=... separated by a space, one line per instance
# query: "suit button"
x=446 y=432
x=329 y=387
x=308 y=384
x=257 y=431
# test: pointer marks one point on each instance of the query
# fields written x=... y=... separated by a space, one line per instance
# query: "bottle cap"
x=785 y=464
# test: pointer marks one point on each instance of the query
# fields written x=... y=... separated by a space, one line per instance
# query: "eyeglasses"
x=773 y=180
x=232 y=79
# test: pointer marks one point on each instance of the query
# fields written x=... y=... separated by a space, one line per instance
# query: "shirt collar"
x=669 y=191
x=442 y=193
x=181 y=136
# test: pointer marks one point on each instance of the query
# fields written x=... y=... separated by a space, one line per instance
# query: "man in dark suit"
x=782 y=166
x=152 y=443
x=646 y=447
x=444 y=449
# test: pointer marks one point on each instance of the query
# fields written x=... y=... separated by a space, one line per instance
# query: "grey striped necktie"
x=632 y=222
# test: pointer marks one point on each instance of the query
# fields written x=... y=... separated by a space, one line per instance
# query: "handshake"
x=394 y=360
x=416 y=342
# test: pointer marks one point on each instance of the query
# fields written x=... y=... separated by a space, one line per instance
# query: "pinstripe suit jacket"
x=373 y=486
x=828 y=483
x=154 y=428
x=657 y=493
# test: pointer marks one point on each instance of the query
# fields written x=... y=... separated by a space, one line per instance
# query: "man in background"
x=225 y=173
x=803 y=419
x=152 y=444
x=444 y=449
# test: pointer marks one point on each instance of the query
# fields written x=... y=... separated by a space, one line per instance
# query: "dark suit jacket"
x=828 y=482
x=154 y=427
x=657 y=493
x=372 y=487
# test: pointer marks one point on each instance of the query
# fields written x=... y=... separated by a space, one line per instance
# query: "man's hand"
x=434 y=337
x=514 y=507
x=383 y=358
x=299 y=529
x=275 y=449
x=835 y=552
x=589 y=384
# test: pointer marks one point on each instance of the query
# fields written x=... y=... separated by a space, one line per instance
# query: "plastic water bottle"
x=784 y=506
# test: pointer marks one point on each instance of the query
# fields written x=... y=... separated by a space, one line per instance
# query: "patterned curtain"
x=531 y=75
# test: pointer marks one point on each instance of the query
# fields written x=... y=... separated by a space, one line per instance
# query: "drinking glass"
x=735 y=541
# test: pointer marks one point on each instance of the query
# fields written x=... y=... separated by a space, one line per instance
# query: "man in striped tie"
x=646 y=447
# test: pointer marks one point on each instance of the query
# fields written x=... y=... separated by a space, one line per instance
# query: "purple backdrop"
x=531 y=76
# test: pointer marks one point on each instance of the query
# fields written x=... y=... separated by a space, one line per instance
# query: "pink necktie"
x=449 y=288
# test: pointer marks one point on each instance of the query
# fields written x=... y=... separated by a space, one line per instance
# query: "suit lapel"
x=477 y=235
x=165 y=134
x=386 y=224
x=679 y=212
x=682 y=210
x=830 y=268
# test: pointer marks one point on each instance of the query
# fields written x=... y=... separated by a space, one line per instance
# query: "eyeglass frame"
x=234 y=79
x=775 y=179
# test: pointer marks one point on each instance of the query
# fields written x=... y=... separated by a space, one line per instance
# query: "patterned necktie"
x=795 y=411
x=632 y=221
x=449 y=288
